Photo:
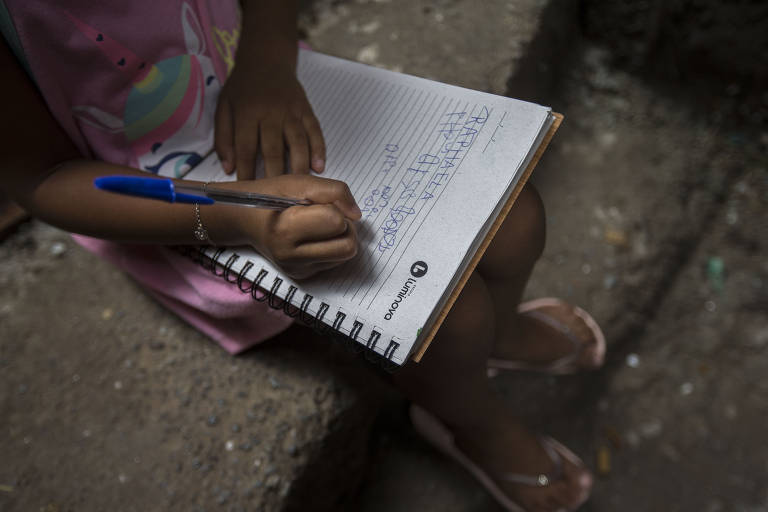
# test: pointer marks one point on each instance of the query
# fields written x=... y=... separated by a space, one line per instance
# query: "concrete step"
x=114 y=404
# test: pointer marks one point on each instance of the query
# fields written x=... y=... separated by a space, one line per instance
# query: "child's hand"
x=304 y=240
x=264 y=109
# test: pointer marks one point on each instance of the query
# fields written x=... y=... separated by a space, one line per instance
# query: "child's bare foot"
x=497 y=446
x=513 y=449
x=549 y=335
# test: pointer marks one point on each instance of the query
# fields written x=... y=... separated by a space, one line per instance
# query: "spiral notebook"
x=434 y=169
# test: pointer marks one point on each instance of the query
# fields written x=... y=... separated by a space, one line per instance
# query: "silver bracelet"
x=201 y=234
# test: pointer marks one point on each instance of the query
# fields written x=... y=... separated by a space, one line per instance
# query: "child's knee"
x=471 y=317
x=530 y=227
x=520 y=240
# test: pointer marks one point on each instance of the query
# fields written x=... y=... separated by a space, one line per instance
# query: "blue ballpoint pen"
x=165 y=189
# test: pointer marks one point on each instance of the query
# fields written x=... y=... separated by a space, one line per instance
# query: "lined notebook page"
x=428 y=164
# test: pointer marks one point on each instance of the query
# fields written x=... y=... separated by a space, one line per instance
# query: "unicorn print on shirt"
x=169 y=112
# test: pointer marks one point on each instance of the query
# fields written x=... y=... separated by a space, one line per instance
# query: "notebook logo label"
x=405 y=291
x=418 y=269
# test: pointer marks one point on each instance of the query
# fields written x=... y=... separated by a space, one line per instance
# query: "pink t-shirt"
x=136 y=83
x=133 y=83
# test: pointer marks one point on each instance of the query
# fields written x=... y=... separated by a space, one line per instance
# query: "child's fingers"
x=296 y=139
x=314 y=223
x=325 y=191
x=336 y=250
x=316 y=142
x=272 y=148
x=246 y=141
x=223 y=135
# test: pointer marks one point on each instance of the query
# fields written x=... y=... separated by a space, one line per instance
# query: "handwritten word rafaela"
x=430 y=171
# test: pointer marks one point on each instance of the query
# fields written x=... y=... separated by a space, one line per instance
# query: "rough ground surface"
x=657 y=224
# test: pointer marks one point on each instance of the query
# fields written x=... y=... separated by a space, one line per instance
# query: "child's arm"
x=41 y=169
x=262 y=106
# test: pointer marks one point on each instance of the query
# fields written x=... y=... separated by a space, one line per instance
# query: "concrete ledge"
x=113 y=404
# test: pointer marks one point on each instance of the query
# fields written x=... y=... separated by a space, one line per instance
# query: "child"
x=152 y=86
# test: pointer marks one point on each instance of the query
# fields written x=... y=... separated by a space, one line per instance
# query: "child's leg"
x=451 y=382
x=506 y=267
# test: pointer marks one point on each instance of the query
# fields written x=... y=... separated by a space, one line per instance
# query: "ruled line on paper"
x=492 y=138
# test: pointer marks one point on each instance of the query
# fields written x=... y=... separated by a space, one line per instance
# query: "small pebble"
x=75 y=378
x=235 y=428
x=58 y=249
x=272 y=481
x=213 y=420
x=368 y=54
x=370 y=28
x=274 y=382
x=86 y=433
x=651 y=428
x=710 y=306
x=156 y=345
x=107 y=314
x=586 y=269
x=229 y=445
x=632 y=438
x=633 y=360
x=616 y=237
x=686 y=388
x=603 y=461
x=223 y=497
x=122 y=478
x=118 y=384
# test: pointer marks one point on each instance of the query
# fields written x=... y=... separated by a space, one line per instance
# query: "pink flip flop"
x=567 y=364
x=437 y=434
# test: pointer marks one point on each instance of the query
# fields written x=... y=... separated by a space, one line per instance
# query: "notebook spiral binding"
x=259 y=293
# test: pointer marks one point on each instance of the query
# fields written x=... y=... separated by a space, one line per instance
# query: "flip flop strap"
x=540 y=480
